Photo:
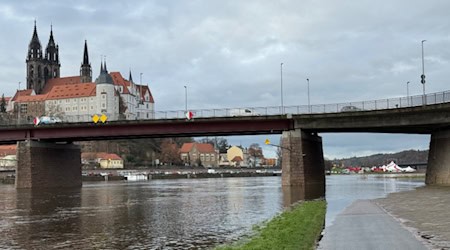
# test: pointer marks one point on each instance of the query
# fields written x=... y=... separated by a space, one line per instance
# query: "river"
x=161 y=214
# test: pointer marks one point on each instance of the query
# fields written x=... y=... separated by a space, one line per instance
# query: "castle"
x=76 y=98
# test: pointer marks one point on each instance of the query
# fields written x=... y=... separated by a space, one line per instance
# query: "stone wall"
x=48 y=165
x=438 y=169
x=303 y=163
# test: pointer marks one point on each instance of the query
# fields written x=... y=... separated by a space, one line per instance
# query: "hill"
x=403 y=157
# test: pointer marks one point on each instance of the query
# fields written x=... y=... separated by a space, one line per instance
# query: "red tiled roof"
x=201 y=147
x=61 y=81
x=186 y=147
x=72 y=91
x=7 y=150
x=24 y=92
x=32 y=98
x=144 y=89
x=237 y=159
x=120 y=81
x=106 y=156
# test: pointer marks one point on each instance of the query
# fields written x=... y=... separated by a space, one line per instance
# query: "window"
x=23 y=108
x=92 y=107
x=103 y=105
x=67 y=101
x=74 y=108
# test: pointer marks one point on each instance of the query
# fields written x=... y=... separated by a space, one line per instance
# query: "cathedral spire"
x=34 y=48
x=85 y=54
x=85 y=69
x=130 y=78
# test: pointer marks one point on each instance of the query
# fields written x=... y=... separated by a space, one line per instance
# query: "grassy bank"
x=298 y=228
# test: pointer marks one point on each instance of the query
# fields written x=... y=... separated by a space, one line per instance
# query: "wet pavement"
x=424 y=211
x=364 y=225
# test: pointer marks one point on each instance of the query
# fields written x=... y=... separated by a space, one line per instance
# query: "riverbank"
x=424 y=212
x=296 y=228
x=133 y=175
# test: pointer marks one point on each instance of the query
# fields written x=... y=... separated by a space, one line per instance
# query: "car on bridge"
x=46 y=120
x=241 y=112
x=350 y=109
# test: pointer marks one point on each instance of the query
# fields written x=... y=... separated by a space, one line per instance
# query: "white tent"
x=392 y=167
x=408 y=169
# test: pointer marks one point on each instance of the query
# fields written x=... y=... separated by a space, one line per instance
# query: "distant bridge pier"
x=48 y=165
x=438 y=169
x=303 y=164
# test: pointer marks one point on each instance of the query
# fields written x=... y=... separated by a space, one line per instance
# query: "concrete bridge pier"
x=303 y=164
x=438 y=169
x=48 y=165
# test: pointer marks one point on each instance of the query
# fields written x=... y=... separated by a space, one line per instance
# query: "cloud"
x=228 y=53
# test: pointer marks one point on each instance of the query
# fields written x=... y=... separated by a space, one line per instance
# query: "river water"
x=161 y=214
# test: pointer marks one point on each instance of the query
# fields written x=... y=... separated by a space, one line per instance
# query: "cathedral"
x=77 y=98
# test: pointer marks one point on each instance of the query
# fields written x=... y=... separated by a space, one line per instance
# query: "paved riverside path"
x=364 y=225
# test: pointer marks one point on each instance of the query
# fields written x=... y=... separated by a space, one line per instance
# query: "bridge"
x=47 y=158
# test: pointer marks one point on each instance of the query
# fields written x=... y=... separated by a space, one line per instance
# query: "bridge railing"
x=390 y=103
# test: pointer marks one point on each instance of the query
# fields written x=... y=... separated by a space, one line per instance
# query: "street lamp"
x=309 y=103
x=424 y=101
x=185 y=99
x=281 y=72
x=407 y=92
x=18 y=108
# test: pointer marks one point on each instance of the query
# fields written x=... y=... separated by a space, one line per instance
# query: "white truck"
x=241 y=112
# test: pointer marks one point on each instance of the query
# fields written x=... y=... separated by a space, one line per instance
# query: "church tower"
x=35 y=64
x=85 y=69
x=52 y=58
x=41 y=68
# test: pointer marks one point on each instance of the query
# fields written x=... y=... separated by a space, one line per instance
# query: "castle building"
x=77 y=98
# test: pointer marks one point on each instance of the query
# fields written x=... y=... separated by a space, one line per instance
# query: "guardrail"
x=382 y=104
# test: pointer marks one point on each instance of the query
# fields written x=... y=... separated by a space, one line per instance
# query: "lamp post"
x=185 y=99
x=424 y=101
x=281 y=72
x=309 y=103
x=407 y=92
x=18 y=108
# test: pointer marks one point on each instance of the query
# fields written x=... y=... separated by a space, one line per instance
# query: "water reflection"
x=162 y=214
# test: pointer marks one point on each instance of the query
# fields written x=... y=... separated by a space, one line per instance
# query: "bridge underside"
x=48 y=165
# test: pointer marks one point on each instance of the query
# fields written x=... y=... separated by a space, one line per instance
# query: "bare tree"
x=169 y=152
x=255 y=151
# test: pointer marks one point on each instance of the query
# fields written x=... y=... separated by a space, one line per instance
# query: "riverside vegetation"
x=297 y=228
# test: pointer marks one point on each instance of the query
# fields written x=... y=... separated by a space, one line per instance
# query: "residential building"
x=102 y=160
x=235 y=155
x=199 y=154
x=109 y=160
x=8 y=160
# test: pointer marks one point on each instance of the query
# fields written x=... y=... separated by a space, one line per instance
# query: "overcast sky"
x=228 y=53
